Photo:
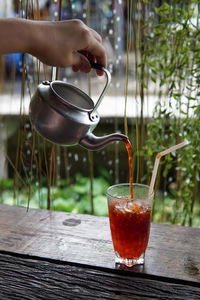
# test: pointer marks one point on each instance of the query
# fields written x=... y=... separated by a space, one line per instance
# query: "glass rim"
x=127 y=184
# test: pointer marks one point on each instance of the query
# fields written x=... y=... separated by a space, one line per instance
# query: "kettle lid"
x=72 y=96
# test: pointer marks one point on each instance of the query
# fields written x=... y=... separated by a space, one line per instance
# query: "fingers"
x=96 y=35
x=96 y=49
x=86 y=44
x=75 y=69
x=99 y=56
x=93 y=51
x=80 y=62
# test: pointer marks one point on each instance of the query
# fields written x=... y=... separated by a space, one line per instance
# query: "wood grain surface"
x=76 y=251
x=23 y=278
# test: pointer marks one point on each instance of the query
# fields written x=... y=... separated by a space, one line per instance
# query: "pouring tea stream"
x=65 y=115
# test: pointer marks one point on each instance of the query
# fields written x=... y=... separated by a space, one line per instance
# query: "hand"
x=67 y=43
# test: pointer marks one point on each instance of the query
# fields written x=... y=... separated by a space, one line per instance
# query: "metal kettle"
x=65 y=115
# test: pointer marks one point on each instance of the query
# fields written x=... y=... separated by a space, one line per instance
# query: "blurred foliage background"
x=153 y=52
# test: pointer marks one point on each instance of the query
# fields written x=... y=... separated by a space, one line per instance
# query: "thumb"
x=79 y=61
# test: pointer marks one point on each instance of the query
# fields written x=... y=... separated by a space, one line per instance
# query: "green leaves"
x=70 y=198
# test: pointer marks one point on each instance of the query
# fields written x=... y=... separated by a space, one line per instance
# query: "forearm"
x=59 y=44
x=16 y=35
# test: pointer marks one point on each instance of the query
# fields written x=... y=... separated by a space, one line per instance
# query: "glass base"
x=129 y=262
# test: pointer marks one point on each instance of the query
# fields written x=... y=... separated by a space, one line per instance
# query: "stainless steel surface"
x=72 y=96
x=57 y=120
x=108 y=81
x=65 y=115
x=93 y=142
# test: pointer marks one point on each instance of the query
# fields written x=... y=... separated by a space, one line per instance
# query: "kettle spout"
x=92 y=142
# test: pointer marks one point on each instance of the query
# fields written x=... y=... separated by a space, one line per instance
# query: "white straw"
x=157 y=160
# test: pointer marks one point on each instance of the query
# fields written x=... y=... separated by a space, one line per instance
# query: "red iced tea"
x=129 y=218
x=130 y=226
x=128 y=148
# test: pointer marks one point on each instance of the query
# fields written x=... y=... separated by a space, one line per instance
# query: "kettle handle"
x=108 y=77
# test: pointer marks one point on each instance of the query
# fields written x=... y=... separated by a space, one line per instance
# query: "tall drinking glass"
x=130 y=221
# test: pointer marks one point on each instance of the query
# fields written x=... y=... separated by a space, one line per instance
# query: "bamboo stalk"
x=90 y=153
x=91 y=193
x=128 y=47
x=137 y=39
x=16 y=171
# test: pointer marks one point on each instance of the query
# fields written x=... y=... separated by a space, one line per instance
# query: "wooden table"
x=69 y=256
